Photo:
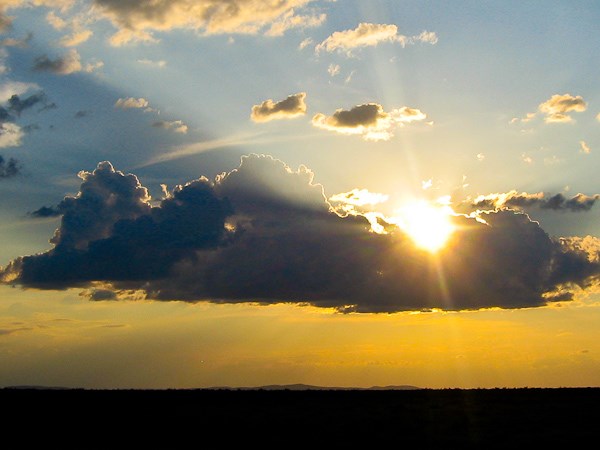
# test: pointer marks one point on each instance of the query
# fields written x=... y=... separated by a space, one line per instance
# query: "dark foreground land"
x=479 y=418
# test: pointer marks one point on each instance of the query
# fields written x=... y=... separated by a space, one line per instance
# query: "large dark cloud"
x=266 y=233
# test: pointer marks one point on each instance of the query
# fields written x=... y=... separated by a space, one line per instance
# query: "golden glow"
x=428 y=225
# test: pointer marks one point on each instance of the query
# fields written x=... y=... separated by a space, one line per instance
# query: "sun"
x=427 y=224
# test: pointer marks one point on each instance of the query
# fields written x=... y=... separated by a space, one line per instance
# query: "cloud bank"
x=267 y=233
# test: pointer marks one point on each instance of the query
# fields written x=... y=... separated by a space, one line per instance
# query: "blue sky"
x=412 y=100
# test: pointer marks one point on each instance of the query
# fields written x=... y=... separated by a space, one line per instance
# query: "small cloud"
x=10 y=168
x=598 y=117
x=147 y=62
x=10 y=88
x=81 y=114
x=480 y=156
x=584 y=148
x=333 y=69
x=370 y=35
x=131 y=103
x=359 y=197
x=524 y=200
x=75 y=38
x=21 y=43
x=305 y=43
x=426 y=184
x=289 y=21
x=56 y=22
x=368 y=120
x=289 y=108
x=175 y=125
x=46 y=211
x=558 y=107
x=526 y=159
x=65 y=64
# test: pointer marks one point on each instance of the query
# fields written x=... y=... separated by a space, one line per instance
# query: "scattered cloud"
x=175 y=125
x=368 y=120
x=305 y=43
x=131 y=102
x=584 y=148
x=137 y=21
x=78 y=36
x=289 y=108
x=524 y=200
x=526 y=159
x=333 y=69
x=21 y=43
x=148 y=62
x=10 y=88
x=558 y=107
x=289 y=20
x=266 y=233
x=370 y=35
x=64 y=65
x=480 y=157
x=9 y=169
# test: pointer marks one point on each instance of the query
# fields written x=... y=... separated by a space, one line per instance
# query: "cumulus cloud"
x=174 y=125
x=13 y=42
x=137 y=21
x=9 y=169
x=289 y=108
x=130 y=102
x=63 y=65
x=524 y=200
x=10 y=88
x=368 y=120
x=265 y=232
x=79 y=36
x=558 y=107
x=370 y=35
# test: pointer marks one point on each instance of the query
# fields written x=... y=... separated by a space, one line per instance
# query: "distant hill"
x=309 y=387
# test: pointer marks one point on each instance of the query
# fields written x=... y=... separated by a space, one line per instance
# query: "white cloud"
x=333 y=69
x=370 y=35
x=585 y=148
x=289 y=20
x=306 y=42
x=130 y=102
x=147 y=62
x=10 y=135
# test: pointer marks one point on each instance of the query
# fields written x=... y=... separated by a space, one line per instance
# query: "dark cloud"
x=289 y=108
x=266 y=233
x=62 y=65
x=10 y=168
x=17 y=104
x=45 y=211
x=523 y=200
x=82 y=114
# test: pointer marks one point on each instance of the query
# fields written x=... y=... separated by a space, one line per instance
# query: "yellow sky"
x=59 y=338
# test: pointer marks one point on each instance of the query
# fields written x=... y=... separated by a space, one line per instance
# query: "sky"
x=338 y=193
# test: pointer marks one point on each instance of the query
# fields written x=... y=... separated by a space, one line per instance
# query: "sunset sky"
x=200 y=193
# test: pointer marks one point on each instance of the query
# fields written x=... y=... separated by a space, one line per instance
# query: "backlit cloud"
x=174 y=125
x=65 y=65
x=558 y=107
x=289 y=108
x=368 y=120
x=584 y=147
x=524 y=200
x=370 y=35
x=290 y=20
x=266 y=233
x=10 y=135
